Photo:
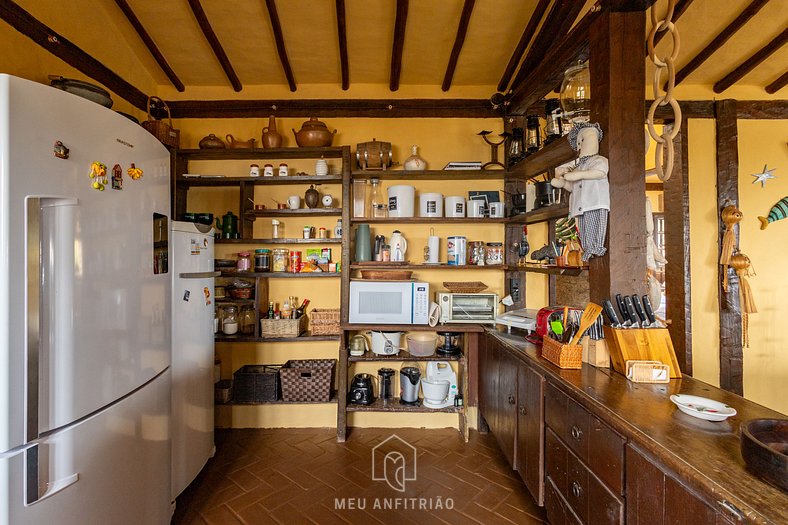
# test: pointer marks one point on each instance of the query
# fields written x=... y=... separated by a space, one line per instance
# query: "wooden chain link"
x=664 y=151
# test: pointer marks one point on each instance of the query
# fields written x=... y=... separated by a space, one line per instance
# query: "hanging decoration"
x=731 y=216
x=743 y=267
x=98 y=172
x=778 y=212
x=134 y=172
x=763 y=176
x=117 y=177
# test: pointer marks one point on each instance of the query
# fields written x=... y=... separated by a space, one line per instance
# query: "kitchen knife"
x=611 y=314
x=626 y=321
x=631 y=311
x=639 y=309
x=649 y=311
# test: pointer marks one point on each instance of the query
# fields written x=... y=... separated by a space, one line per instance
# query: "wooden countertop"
x=704 y=453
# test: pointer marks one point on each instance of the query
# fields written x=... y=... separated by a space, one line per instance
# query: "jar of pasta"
x=281 y=260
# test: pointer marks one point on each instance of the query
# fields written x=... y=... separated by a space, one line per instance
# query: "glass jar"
x=494 y=253
x=279 y=261
x=262 y=260
x=476 y=253
x=379 y=208
x=230 y=322
x=246 y=320
x=244 y=263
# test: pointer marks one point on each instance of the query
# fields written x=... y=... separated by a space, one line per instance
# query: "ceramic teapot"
x=211 y=142
x=231 y=142
x=314 y=133
x=228 y=225
x=398 y=246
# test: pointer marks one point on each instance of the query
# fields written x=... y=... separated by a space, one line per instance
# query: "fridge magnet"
x=186 y=295
x=134 y=172
x=117 y=177
x=61 y=151
x=207 y=293
x=743 y=267
x=763 y=176
x=778 y=212
x=731 y=216
x=98 y=172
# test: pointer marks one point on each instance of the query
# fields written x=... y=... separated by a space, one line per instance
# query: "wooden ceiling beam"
x=746 y=14
x=750 y=64
x=398 y=44
x=681 y=7
x=778 y=84
x=459 y=40
x=150 y=44
x=525 y=39
x=216 y=46
x=280 y=43
x=342 y=36
x=70 y=53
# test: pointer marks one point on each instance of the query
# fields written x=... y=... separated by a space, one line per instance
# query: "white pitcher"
x=398 y=246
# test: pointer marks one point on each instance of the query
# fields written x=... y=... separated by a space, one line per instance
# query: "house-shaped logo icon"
x=394 y=461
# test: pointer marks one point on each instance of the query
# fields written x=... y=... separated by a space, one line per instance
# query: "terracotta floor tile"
x=222 y=515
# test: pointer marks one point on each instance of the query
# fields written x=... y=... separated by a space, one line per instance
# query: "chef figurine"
x=586 y=180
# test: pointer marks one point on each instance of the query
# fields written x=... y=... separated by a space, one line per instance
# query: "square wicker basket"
x=283 y=327
x=324 y=321
x=561 y=355
x=307 y=380
x=256 y=384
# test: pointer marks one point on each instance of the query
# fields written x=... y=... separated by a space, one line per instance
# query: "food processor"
x=439 y=385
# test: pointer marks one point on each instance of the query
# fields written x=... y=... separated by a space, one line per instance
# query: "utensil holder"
x=562 y=355
x=641 y=344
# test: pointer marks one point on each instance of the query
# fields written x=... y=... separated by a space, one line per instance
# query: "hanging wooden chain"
x=665 y=141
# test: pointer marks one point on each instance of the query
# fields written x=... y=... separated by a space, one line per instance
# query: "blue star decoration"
x=764 y=176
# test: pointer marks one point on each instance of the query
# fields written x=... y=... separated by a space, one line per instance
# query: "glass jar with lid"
x=262 y=260
x=230 y=321
x=494 y=253
x=280 y=260
x=476 y=253
x=246 y=320
x=244 y=263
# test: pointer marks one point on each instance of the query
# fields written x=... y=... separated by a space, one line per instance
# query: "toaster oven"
x=468 y=307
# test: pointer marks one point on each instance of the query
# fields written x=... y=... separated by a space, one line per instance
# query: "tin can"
x=295 y=262
x=280 y=262
x=457 y=248
x=494 y=253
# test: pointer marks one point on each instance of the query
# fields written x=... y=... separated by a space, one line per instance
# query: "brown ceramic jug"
x=271 y=138
x=232 y=143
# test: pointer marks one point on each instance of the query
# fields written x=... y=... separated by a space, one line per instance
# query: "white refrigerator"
x=192 y=350
x=84 y=317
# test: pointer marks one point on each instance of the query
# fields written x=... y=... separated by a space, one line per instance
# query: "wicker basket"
x=283 y=327
x=561 y=355
x=163 y=131
x=256 y=384
x=307 y=380
x=325 y=321
x=465 y=286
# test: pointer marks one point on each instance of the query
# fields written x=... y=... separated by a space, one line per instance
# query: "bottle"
x=286 y=309
x=379 y=208
x=293 y=304
x=301 y=310
x=338 y=229
x=270 y=310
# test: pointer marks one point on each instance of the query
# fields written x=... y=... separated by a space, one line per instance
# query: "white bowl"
x=702 y=408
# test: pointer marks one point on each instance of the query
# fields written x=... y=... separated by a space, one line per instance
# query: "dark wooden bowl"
x=764 y=447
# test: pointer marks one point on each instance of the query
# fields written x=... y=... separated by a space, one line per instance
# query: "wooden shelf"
x=442 y=266
x=395 y=406
x=402 y=356
x=259 y=153
x=280 y=275
x=230 y=300
x=554 y=154
x=429 y=220
x=313 y=212
x=281 y=402
x=359 y=327
x=552 y=270
x=430 y=175
x=294 y=240
x=306 y=336
x=546 y=213
x=257 y=181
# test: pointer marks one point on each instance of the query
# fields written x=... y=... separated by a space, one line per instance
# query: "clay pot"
x=314 y=134
x=212 y=142
x=232 y=143
x=311 y=197
x=271 y=138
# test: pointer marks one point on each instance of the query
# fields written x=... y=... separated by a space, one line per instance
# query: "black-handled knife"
x=623 y=309
x=639 y=309
x=652 y=319
x=631 y=311
x=611 y=313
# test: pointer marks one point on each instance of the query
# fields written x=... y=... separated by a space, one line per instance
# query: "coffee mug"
x=294 y=202
x=474 y=208
x=497 y=209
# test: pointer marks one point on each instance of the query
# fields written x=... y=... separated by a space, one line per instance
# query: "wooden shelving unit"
x=401 y=356
x=208 y=180
x=429 y=220
x=550 y=156
x=281 y=275
x=546 y=213
x=415 y=176
x=306 y=336
x=463 y=328
x=289 y=240
x=314 y=212
x=395 y=406
x=550 y=270
x=442 y=266
x=281 y=402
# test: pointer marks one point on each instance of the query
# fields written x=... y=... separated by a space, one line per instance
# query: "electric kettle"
x=409 y=385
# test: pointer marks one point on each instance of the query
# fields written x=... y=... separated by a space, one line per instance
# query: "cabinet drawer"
x=558 y=511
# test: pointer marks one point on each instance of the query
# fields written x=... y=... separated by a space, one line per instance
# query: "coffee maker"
x=409 y=376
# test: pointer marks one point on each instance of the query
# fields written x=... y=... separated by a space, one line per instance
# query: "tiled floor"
x=295 y=476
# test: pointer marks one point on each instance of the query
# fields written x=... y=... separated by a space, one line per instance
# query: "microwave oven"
x=389 y=302
x=468 y=307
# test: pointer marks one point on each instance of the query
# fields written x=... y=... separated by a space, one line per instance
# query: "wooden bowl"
x=764 y=447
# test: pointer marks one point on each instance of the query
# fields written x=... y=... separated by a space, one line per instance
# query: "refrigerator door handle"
x=199 y=275
x=33 y=492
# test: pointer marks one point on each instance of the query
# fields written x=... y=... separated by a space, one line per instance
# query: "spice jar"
x=283 y=171
x=246 y=320
x=254 y=170
x=230 y=322
x=276 y=228
x=279 y=262
x=295 y=261
x=244 y=263
x=262 y=260
x=494 y=253
x=268 y=170
x=476 y=253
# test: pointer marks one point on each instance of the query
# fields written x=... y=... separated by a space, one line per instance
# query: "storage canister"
x=243 y=264
x=430 y=205
x=401 y=200
x=455 y=206
x=262 y=260
x=476 y=253
x=457 y=246
x=280 y=262
x=494 y=253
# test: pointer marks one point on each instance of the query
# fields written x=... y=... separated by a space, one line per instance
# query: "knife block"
x=641 y=344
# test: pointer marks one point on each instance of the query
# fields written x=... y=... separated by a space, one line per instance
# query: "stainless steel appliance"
x=386 y=384
x=468 y=307
x=409 y=385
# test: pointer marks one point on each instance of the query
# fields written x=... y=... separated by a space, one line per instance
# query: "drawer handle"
x=577 y=433
x=522 y=411
x=511 y=399
x=577 y=490
x=733 y=509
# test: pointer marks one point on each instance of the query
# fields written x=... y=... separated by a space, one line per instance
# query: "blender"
x=450 y=346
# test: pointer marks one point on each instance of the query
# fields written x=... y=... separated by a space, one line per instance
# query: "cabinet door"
x=488 y=381
x=530 y=430
x=507 y=399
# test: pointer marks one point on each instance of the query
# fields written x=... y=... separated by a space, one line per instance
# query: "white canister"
x=457 y=249
x=401 y=200
x=474 y=208
x=454 y=207
x=430 y=205
x=385 y=343
x=497 y=209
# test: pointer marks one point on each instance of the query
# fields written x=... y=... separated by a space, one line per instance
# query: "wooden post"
x=731 y=356
x=617 y=92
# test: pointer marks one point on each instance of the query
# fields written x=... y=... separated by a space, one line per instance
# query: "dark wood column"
x=617 y=91
x=731 y=356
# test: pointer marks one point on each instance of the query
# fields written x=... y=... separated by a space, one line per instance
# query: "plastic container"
x=422 y=344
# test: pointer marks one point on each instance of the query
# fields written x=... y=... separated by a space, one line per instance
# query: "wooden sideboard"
x=595 y=448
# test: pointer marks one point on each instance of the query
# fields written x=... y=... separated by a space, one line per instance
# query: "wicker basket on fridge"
x=325 y=321
x=163 y=131
x=307 y=380
x=283 y=327
x=562 y=355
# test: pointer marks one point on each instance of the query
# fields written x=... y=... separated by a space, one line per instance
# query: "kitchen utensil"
x=702 y=407
x=626 y=321
x=590 y=313
x=361 y=392
x=764 y=447
x=565 y=318
x=611 y=314
x=386 y=384
x=409 y=384
x=212 y=142
x=311 y=197
x=639 y=309
x=652 y=320
x=557 y=328
x=519 y=205
x=385 y=343
x=228 y=225
x=85 y=90
x=314 y=133
x=421 y=344
x=239 y=144
x=631 y=311
x=437 y=392
x=401 y=199
x=294 y=202
x=451 y=344
x=648 y=344
x=358 y=345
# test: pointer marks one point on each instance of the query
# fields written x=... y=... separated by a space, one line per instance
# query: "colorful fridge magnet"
x=731 y=216
x=764 y=176
x=207 y=293
x=98 y=172
x=134 y=172
x=778 y=212
x=117 y=177
x=61 y=151
x=743 y=266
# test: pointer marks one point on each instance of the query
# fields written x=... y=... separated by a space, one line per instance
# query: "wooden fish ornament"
x=778 y=212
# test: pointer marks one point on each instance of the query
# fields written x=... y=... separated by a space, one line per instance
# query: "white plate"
x=703 y=408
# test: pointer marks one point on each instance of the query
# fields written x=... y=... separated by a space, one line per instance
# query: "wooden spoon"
x=588 y=318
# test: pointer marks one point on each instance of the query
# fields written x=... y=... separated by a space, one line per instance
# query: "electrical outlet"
x=514 y=289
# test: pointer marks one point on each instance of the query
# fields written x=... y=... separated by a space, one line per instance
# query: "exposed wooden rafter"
x=342 y=36
x=681 y=7
x=750 y=64
x=462 y=29
x=746 y=14
x=150 y=44
x=399 y=44
x=280 y=43
x=70 y=53
x=213 y=41
x=778 y=84
x=525 y=39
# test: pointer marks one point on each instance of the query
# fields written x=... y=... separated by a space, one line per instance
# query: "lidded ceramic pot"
x=314 y=133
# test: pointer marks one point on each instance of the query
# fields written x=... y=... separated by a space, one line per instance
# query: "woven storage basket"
x=283 y=327
x=325 y=321
x=307 y=380
x=562 y=356
x=163 y=131
x=465 y=286
x=256 y=384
